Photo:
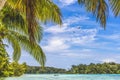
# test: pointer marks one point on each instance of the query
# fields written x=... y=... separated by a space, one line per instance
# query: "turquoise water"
x=68 y=77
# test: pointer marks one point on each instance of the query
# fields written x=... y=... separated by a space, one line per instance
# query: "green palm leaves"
x=115 y=5
x=99 y=8
x=20 y=25
x=33 y=10
x=17 y=40
x=10 y=26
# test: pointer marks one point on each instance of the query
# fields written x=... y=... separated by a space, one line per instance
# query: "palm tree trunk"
x=30 y=19
x=2 y=3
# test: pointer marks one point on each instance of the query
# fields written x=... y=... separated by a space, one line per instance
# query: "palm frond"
x=16 y=47
x=46 y=10
x=99 y=8
x=33 y=48
x=15 y=44
x=12 y=19
x=18 y=40
x=115 y=5
x=33 y=10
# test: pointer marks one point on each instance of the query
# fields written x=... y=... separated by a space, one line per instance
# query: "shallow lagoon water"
x=67 y=77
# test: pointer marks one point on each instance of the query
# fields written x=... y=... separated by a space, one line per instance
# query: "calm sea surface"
x=68 y=77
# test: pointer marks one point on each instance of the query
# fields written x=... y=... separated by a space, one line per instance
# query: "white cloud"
x=65 y=27
x=75 y=19
x=108 y=60
x=55 y=44
x=66 y=40
x=81 y=53
x=67 y=2
x=85 y=36
x=65 y=37
x=86 y=50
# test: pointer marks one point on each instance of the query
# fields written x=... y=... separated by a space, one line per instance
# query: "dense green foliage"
x=18 y=69
x=19 y=25
x=5 y=67
x=34 y=10
x=13 y=30
x=105 y=68
x=46 y=70
x=8 y=69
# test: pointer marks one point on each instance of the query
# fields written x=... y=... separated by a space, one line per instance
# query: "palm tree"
x=34 y=11
x=17 y=40
x=99 y=8
x=12 y=29
x=23 y=16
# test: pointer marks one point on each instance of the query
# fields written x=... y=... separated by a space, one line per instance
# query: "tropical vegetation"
x=5 y=68
x=105 y=68
x=23 y=16
x=46 y=70
x=11 y=22
x=20 y=26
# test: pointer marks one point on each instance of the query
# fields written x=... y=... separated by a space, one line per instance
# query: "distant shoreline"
x=103 y=68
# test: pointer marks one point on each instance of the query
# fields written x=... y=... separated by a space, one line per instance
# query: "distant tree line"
x=16 y=69
x=104 y=68
x=46 y=70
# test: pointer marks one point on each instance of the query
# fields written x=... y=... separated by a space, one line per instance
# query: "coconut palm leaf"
x=99 y=8
x=17 y=40
x=33 y=10
x=115 y=5
x=34 y=49
x=13 y=20
x=16 y=47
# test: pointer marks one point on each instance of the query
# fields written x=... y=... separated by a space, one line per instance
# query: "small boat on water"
x=56 y=75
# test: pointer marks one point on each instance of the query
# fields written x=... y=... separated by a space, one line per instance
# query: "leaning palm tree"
x=12 y=28
x=29 y=13
x=35 y=11
x=99 y=8
x=17 y=41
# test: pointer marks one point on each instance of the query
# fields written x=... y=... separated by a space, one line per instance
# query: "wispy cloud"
x=56 y=44
x=63 y=38
x=67 y=2
x=108 y=60
x=66 y=26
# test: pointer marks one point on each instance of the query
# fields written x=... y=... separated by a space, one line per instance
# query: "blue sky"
x=79 y=40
